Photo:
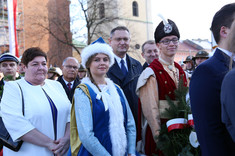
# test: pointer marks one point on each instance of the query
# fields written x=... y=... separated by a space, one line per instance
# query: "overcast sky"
x=193 y=17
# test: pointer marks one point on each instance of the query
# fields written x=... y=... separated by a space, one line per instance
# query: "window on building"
x=135 y=8
x=101 y=10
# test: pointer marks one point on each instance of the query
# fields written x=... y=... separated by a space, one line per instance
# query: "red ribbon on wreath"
x=177 y=123
x=190 y=120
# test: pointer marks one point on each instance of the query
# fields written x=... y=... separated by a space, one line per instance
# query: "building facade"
x=134 y=14
x=40 y=23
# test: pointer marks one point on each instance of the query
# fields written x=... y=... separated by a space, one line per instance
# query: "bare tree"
x=47 y=25
x=97 y=15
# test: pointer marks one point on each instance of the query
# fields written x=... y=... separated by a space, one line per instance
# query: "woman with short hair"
x=44 y=127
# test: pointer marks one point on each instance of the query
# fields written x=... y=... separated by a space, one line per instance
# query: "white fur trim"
x=95 y=49
x=116 y=120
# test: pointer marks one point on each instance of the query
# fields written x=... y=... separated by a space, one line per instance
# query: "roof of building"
x=79 y=43
x=205 y=44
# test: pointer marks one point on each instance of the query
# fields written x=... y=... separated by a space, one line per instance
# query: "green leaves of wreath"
x=176 y=142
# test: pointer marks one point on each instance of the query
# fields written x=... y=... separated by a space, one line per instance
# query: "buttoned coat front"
x=128 y=82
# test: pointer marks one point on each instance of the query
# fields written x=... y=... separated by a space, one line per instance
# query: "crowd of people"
x=110 y=104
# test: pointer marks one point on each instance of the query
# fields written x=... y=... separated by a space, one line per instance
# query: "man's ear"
x=142 y=54
x=109 y=41
x=24 y=67
x=224 y=31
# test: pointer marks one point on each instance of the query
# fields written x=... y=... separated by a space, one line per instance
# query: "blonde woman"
x=105 y=124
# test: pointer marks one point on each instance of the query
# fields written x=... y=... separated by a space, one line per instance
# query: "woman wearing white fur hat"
x=101 y=120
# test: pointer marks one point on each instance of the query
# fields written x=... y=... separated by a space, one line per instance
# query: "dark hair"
x=147 y=42
x=223 y=17
x=118 y=28
x=31 y=53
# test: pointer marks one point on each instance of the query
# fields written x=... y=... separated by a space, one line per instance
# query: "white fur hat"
x=98 y=46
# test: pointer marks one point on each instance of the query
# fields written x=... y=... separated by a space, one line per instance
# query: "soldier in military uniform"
x=165 y=74
x=200 y=57
x=54 y=73
x=189 y=66
x=8 y=66
x=81 y=72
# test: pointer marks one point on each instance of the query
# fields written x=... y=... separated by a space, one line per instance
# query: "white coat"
x=37 y=113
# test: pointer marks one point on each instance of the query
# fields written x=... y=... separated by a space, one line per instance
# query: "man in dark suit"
x=69 y=79
x=227 y=90
x=149 y=52
x=126 y=70
x=205 y=88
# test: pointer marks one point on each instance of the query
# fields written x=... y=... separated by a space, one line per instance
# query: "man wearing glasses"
x=165 y=74
x=126 y=70
x=69 y=79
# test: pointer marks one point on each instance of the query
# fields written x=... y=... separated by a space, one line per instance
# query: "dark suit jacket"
x=69 y=92
x=145 y=65
x=128 y=83
x=228 y=102
x=205 y=88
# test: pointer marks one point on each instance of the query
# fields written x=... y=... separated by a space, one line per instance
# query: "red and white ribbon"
x=190 y=120
x=177 y=123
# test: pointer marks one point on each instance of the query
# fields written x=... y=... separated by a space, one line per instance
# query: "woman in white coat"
x=44 y=127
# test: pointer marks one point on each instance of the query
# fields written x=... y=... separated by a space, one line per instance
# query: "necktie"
x=69 y=85
x=123 y=68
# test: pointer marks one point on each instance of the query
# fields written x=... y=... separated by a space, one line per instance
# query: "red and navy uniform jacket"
x=166 y=87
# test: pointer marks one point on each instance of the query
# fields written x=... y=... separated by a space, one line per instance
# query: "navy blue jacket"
x=127 y=83
x=69 y=92
x=204 y=90
x=145 y=65
x=228 y=102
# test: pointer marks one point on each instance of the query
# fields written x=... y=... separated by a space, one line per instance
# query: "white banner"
x=13 y=45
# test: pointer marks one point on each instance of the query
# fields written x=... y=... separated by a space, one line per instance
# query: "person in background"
x=20 y=69
x=126 y=70
x=69 y=79
x=182 y=65
x=200 y=57
x=54 y=73
x=205 y=89
x=81 y=72
x=149 y=52
x=189 y=67
x=8 y=66
x=156 y=82
x=45 y=125
x=104 y=122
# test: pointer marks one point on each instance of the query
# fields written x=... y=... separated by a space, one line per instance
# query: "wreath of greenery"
x=176 y=142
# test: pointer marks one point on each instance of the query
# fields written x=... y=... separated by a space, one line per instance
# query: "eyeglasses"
x=70 y=67
x=167 y=42
x=125 y=39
